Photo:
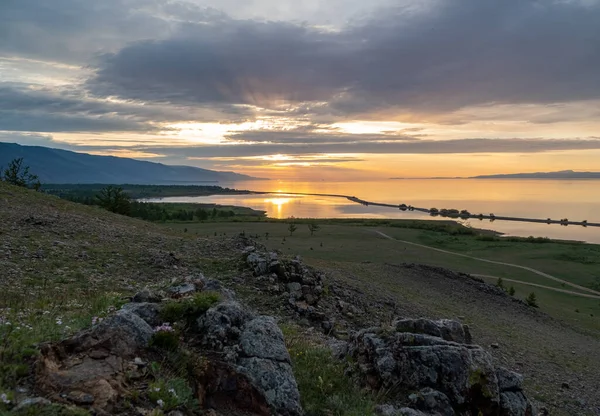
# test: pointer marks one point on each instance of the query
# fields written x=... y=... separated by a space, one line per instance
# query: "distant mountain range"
x=62 y=166
x=562 y=174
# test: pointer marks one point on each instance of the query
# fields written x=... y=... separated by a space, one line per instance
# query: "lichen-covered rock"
x=514 y=403
x=508 y=380
x=262 y=338
x=450 y=377
x=258 y=263
x=445 y=328
x=432 y=401
x=276 y=380
x=149 y=312
x=253 y=346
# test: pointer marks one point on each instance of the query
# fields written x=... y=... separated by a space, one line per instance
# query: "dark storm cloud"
x=462 y=146
x=453 y=54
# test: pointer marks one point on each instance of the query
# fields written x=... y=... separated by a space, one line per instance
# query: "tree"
x=511 y=291
x=500 y=283
x=313 y=228
x=18 y=175
x=532 y=300
x=291 y=228
x=114 y=199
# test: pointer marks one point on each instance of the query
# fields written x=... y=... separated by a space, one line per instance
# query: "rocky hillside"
x=102 y=314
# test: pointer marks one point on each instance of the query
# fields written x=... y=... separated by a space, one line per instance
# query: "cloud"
x=43 y=109
x=459 y=146
x=314 y=134
x=444 y=57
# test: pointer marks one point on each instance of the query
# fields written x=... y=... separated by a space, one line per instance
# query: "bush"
x=511 y=291
x=18 y=175
x=114 y=199
x=172 y=394
x=189 y=309
x=532 y=300
x=167 y=340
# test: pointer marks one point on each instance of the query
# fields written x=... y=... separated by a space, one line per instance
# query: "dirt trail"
x=487 y=276
x=595 y=293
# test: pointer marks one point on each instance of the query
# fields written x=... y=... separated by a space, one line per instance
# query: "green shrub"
x=167 y=340
x=172 y=394
x=189 y=309
x=511 y=291
x=532 y=300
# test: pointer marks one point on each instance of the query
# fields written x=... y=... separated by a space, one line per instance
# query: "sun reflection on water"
x=279 y=203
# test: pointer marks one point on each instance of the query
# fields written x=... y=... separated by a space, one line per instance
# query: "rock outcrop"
x=246 y=367
x=254 y=347
x=435 y=371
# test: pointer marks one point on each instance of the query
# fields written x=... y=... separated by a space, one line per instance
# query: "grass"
x=63 y=264
x=353 y=243
x=324 y=388
x=188 y=309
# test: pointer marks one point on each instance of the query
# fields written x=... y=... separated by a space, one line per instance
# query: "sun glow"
x=279 y=203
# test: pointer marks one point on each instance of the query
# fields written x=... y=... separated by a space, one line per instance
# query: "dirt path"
x=487 y=276
x=540 y=273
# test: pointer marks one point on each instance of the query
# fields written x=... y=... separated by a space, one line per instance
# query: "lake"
x=556 y=199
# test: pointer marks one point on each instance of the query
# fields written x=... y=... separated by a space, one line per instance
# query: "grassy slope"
x=76 y=262
x=547 y=350
x=345 y=244
x=63 y=263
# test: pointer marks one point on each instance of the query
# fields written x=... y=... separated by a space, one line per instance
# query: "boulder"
x=182 y=290
x=262 y=338
x=508 y=380
x=258 y=263
x=432 y=401
x=149 y=312
x=146 y=295
x=254 y=353
x=90 y=368
x=450 y=377
x=445 y=328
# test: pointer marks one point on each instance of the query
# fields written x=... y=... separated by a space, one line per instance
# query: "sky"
x=308 y=90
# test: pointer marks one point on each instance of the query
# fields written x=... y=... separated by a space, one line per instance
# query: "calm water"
x=576 y=200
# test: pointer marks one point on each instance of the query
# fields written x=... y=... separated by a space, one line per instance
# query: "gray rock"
x=445 y=329
x=433 y=401
x=295 y=290
x=146 y=295
x=258 y=263
x=182 y=290
x=122 y=334
x=221 y=326
x=255 y=347
x=149 y=312
x=276 y=380
x=464 y=374
x=262 y=338
x=214 y=285
x=508 y=380
x=515 y=404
